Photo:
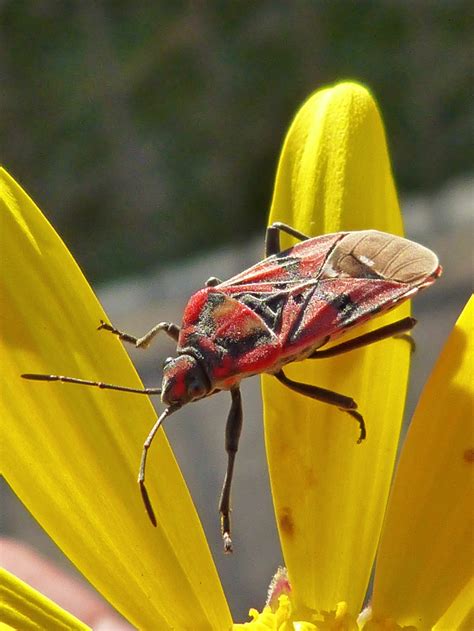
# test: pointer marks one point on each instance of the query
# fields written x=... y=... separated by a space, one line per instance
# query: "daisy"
x=71 y=454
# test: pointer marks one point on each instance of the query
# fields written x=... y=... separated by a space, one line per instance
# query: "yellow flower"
x=72 y=460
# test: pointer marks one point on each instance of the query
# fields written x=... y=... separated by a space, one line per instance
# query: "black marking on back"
x=302 y=299
x=345 y=307
x=269 y=309
x=237 y=347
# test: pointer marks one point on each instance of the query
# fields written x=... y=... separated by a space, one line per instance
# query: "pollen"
x=284 y=617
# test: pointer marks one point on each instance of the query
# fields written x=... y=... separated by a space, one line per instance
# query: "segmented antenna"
x=146 y=446
x=87 y=382
x=110 y=386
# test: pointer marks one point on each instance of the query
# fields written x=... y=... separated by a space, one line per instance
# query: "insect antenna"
x=110 y=386
x=146 y=445
x=87 y=382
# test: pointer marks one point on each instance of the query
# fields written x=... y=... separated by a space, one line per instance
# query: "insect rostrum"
x=283 y=309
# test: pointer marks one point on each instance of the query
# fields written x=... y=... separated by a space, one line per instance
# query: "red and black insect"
x=283 y=309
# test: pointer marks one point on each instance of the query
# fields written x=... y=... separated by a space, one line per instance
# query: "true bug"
x=281 y=310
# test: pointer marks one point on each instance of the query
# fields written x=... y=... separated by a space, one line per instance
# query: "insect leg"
x=394 y=329
x=346 y=404
x=272 y=238
x=232 y=435
x=146 y=446
x=142 y=342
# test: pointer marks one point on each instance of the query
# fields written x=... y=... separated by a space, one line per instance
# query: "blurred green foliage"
x=149 y=130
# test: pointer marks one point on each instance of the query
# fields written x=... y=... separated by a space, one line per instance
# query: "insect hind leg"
x=396 y=329
x=272 y=238
x=345 y=404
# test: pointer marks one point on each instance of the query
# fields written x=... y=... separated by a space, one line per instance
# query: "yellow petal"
x=72 y=453
x=425 y=559
x=329 y=492
x=22 y=607
x=460 y=614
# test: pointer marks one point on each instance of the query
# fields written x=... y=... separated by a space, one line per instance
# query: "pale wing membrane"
x=374 y=254
x=367 y=273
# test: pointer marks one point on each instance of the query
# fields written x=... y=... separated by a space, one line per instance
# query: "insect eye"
x=198 y=388
x=167 y=361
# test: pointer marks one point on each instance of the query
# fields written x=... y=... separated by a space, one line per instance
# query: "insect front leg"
x=395 y=329
x=232 y=436
x=142 y=342
x=346 y=404
x=272 y=238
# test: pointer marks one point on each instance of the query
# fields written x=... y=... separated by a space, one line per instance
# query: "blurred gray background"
x=149 y=134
